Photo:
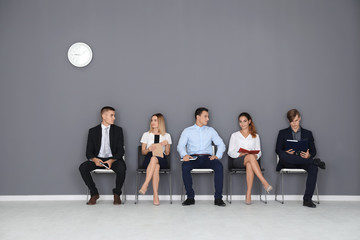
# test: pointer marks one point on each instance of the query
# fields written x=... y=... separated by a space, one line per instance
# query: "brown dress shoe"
x=117 y=200
x=93 y=199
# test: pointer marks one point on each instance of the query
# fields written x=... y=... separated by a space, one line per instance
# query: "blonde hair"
x=161 y=122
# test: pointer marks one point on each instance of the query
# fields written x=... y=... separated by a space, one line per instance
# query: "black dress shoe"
x=309 y=203
x=219 y=202
x=319 y=163
x=188 y=201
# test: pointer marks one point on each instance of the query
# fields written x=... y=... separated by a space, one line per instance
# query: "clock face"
x=80 y=54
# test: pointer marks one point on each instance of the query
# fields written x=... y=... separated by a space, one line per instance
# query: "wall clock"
x=80 y=54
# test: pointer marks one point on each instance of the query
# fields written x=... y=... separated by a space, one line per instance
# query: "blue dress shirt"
x=198 y=140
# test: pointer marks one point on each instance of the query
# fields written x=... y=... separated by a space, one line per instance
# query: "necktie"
x=107 y=144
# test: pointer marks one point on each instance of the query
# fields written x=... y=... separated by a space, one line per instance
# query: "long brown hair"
x=161 y=122
x=252 y=128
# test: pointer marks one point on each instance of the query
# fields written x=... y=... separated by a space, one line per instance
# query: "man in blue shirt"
x=196 y=141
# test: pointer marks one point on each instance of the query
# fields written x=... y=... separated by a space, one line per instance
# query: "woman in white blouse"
x=151 y=163
x=247 y=138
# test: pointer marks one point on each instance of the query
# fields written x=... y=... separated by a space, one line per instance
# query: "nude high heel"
x=268 y=189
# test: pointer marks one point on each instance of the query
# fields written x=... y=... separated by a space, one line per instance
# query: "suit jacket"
x=116 y=142
x=286 y=134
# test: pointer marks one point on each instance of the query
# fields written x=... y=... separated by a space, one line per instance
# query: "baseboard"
x=167 y=197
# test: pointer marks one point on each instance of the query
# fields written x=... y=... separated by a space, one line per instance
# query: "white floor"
x=76 y=220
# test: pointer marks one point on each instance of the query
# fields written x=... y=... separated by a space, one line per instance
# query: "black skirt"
x=162 y=161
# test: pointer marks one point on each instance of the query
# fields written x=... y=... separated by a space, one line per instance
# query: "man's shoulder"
x=285 y=130
x=189 y=128
x=305 y=131
x=97 y=127
x=116 y=126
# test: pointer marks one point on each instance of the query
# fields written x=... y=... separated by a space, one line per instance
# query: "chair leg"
x=137 y=187
x=282 y=187
x=277 y=188
x=182 y=192
x=87 y=194
x=317 y=193
x=123 y=195
x=170 y=187
x=230 y=186
x=227 y=187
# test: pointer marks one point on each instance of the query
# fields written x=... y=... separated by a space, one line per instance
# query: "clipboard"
x=243 y=150
x=302 y=145
x=158 y=151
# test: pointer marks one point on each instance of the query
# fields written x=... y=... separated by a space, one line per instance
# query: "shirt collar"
x=103 y=126
x=299 y=131
x=197 y=127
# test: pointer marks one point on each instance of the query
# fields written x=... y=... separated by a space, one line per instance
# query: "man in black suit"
x=105 y=146
x=288 y=158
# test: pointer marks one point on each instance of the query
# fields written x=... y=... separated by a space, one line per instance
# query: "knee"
x=186 y=167
x=218 y=165
x=119 y=166
x=313 y=170
x=248 y=165
x=251 y=157
x=82 y=167
x=154 y=160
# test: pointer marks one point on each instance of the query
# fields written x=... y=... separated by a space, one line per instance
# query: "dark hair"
x=291 y=114
x=106 y=108
x=199 y=111
x=252 y=128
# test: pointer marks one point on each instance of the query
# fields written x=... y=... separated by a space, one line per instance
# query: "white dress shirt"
x=237 y=141
x=148 y=139
x=105 y=150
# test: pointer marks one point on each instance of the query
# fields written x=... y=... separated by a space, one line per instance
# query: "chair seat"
x=143 y=170
x=202 y=170
x=292 y=170
x=241 y=170
x=102 y=171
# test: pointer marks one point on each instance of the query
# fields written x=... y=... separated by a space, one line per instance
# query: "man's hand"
x=186 y=158
x=110 y=162
x=213 y=157
x=290 y=151
x=164 y=143
x=305 y=154
x=97 y=161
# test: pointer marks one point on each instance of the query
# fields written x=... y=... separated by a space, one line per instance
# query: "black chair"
x=232 y=170
x=141 y=170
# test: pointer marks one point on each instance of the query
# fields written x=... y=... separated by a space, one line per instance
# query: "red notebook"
x=242 y=150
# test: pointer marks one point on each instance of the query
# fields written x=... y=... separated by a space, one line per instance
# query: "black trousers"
x=119 y=167
x=293 y=161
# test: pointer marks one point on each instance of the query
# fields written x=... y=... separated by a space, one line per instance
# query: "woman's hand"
x=164 y=143
x=151 y=148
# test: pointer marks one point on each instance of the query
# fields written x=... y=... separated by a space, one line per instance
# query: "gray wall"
x=171 y=56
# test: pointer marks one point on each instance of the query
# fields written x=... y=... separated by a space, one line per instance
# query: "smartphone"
x=105 y=165
x=156 y=138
